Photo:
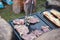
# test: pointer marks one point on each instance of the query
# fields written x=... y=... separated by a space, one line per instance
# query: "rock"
x=52 y=35
x=54 y=2
x=5 y=30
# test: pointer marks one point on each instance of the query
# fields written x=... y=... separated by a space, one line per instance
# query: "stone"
x=54 y=2
x=5 y=30
x=52 y=35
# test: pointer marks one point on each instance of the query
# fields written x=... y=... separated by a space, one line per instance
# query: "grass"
x=8 y=14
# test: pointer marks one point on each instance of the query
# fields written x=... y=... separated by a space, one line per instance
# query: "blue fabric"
x=9 y=2
x=4 y=0
x=1 y=5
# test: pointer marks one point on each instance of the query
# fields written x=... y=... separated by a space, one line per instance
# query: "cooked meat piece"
x=37 y=32
x=18 y=21
x=22 y=29
x=30 y=36
x=45 y=28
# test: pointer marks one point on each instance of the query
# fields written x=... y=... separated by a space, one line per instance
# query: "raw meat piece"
x=22 y=29
x=30 y=36
x=45 y=28
x=33 y=35
x=31 y=19
x=25 y=37
x=34 y=20
x=16 y=21
x=37 y=32
x=19 y=21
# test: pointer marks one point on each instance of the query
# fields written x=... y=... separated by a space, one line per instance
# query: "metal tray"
x=31 y=26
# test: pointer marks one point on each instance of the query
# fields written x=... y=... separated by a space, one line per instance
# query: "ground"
x=8 y=14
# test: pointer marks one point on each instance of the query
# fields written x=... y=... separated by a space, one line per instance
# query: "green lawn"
x=8 y=14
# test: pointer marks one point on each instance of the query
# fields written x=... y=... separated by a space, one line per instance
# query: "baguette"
x=56 y=13
x=52 y=18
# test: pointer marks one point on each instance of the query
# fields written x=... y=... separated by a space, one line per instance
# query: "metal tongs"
x=26 y=14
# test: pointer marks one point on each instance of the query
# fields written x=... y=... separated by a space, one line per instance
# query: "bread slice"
x=52 y=18
x=56 y=13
